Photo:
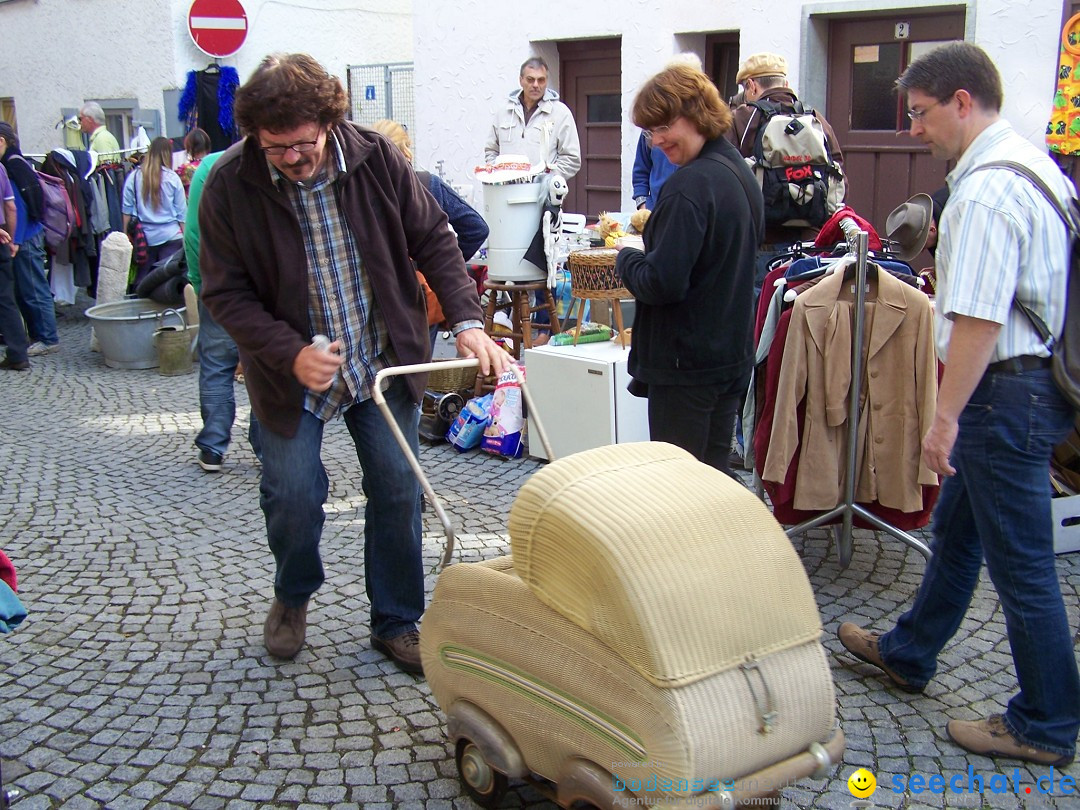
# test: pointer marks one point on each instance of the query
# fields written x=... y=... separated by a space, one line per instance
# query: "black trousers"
x=698 y=418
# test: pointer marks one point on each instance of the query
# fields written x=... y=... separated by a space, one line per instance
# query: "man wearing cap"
x=763 y=77
x=534 y=122
x=999 y=415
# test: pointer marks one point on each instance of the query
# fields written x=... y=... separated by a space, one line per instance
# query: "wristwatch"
x=640 y=201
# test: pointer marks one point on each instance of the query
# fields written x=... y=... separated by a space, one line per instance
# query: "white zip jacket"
x=549 y=138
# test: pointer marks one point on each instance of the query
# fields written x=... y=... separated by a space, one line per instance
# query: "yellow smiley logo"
x=862 y=784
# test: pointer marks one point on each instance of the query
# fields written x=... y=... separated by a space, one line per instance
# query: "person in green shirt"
x=218 y=354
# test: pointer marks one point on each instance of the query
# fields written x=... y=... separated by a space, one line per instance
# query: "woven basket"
x=592 y=274
x=445 y=381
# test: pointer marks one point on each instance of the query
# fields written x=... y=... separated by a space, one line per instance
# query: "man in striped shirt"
x=998 y=415
x=309 y=226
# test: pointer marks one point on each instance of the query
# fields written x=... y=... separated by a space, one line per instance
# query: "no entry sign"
x=217 y=27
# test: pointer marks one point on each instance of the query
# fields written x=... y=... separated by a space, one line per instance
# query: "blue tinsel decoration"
x=227 y=84
x=226 y=89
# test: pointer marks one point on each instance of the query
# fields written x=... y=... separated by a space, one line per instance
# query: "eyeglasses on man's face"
x=918 y=115
x=300 y=147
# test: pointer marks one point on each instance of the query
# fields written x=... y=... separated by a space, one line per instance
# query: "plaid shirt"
x=341 y=303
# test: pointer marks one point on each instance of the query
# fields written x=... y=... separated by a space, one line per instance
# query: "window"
x=874 y=70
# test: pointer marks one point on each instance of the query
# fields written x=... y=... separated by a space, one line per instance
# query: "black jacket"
x=694 y=283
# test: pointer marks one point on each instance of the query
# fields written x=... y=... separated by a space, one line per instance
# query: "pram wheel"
x=484 y=784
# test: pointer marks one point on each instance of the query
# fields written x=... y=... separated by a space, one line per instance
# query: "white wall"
x=468 y=54
x=59 y=53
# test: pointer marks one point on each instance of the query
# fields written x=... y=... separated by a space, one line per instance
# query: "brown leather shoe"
x=283 y=632
x=864 y=645
x=991 y=737
x=403 y=650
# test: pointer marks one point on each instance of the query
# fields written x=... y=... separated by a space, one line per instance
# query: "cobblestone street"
x=139 y=678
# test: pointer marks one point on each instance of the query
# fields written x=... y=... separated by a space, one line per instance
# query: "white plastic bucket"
x=513 y=213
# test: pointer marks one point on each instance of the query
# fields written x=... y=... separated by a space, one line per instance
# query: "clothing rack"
x=117 y=151
x=858 y=243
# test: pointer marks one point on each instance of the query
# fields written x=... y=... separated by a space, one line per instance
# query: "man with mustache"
x=308 y=227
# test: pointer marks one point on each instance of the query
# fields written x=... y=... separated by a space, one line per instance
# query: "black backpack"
x=1065 y=349
x=801 y=183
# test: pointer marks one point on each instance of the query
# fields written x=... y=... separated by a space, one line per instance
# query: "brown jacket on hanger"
x=896 y=403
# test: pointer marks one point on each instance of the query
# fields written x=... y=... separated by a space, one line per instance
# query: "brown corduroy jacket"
x=254 y=265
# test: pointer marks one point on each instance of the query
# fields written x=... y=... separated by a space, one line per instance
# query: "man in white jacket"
x=535 y=123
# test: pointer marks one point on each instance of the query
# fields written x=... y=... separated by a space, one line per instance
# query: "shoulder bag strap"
x=757 y=211
x=1071 y=229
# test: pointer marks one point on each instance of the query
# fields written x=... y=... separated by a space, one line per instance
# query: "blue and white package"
x=468 y=429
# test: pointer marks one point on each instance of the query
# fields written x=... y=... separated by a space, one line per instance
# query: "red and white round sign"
x=217 y=27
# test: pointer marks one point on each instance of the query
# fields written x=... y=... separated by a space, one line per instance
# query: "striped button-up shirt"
x=341 y=303
x=999 y=239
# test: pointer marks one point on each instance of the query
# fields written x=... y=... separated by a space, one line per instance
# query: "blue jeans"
x=217 y=403
x=11 y=323
x=997 y=507
x=294 y=488
x=32 y=291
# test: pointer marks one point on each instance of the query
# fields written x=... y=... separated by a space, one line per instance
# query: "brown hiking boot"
x=864 y=645
x=283 y=632
x=992 y=738
x=403 y=650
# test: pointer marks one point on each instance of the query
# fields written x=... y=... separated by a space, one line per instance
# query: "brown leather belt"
x=1014 y=365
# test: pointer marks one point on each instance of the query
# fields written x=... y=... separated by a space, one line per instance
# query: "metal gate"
x=383 y=91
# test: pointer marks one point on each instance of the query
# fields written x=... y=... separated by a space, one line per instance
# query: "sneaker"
x=992 y=738
x=864 y=645
x=403 y=650
x=210 y=461
x=13 y=365
x=284 y=629
x=38 y=348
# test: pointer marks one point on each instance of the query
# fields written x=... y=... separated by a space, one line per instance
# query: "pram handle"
x=429 y=493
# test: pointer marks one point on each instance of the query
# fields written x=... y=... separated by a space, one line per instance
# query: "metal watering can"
x=173 y=345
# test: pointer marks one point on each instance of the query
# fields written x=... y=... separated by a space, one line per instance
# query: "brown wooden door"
x=591 y=79
x=883 y=163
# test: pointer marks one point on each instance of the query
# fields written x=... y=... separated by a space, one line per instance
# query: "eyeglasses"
x=918 y=115
x=300 y=147
x=661 y=130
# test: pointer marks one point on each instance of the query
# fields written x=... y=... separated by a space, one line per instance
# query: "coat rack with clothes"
x=863 y=467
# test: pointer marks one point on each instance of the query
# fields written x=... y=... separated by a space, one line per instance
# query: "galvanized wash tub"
x=125 y=331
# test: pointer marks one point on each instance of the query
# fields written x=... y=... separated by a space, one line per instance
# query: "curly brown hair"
x=682 y=89
x=287 y=91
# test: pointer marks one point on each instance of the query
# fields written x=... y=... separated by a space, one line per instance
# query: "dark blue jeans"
x=997 y=508
x=32 y=291
x=11 y=322
x=217 y=402
x=294 y=488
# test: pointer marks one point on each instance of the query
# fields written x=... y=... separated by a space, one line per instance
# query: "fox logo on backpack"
x=801 y=183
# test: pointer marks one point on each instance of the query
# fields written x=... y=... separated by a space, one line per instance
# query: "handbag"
x=140 y=252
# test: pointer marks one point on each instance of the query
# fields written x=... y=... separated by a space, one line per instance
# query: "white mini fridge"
x=580 y=392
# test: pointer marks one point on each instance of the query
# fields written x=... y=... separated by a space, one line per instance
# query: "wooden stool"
x=521 y=312
x=592 y=278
